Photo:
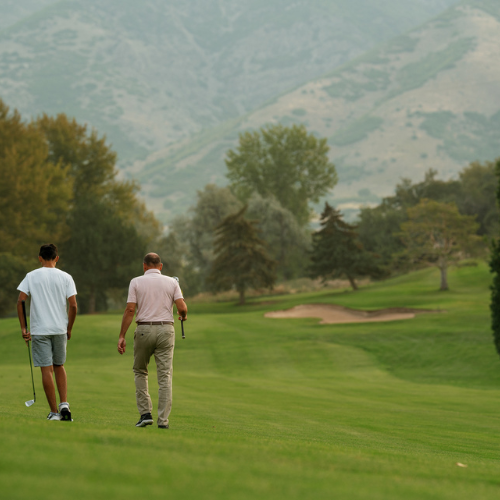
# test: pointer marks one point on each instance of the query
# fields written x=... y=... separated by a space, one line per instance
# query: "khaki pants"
x=160 y=341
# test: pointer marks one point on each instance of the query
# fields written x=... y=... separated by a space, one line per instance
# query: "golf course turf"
x=273 y=408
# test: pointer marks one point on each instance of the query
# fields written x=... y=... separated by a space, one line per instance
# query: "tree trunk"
x=92 y=300
x=352 y=282
x=444 y=276
x=242 y=296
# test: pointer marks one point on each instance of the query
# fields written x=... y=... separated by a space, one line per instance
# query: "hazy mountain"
x=150 y=74
x=426 y=99
x=14 y=11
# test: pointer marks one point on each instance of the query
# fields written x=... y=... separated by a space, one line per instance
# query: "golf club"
x=31 y=401
x=182 y=321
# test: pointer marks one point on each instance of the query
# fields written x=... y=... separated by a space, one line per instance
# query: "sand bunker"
x=338 y=314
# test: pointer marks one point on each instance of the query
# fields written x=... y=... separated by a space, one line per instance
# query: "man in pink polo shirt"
x=154 y=295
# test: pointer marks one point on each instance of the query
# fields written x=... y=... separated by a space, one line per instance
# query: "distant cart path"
x=330 y=313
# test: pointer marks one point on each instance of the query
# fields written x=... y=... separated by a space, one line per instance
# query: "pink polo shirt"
x=154 y=295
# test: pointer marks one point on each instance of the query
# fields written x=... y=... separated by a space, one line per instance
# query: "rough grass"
x=274 y=409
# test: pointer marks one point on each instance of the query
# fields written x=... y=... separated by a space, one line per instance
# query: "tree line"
x=264 y=215
x=61 y=184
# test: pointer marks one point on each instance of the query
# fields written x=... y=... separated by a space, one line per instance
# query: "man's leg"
x=59 y=343
x=61 y=382
x=143 y=348
x=164 y=355
x=49 y=387
x=41 y=347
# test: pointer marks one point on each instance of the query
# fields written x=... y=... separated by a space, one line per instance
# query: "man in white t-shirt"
x=50 y=325
x=154 y=295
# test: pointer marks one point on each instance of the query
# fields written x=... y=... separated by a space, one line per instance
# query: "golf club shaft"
x=29 y=350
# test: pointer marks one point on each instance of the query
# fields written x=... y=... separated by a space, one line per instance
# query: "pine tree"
x=337 y=251
x=241 y=259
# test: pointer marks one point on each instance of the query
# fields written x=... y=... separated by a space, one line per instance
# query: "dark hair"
x=152 y=259
x=48 y=252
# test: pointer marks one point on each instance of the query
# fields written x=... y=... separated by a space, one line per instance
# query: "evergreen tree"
x=241 y=259
x=338 y=253
x=495 y=287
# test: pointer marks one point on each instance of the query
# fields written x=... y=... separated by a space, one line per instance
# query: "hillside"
x=426 y=99
x=150 y=74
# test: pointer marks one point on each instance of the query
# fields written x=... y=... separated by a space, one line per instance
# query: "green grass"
x=274 y=409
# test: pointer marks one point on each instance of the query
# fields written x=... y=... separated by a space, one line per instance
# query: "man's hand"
x=181 y=309
x=122 y=344
x=68 y=334
x=26 y=335
x=128 y=316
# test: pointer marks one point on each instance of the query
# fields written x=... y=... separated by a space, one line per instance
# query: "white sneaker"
x=65 y=412
x=54 y=416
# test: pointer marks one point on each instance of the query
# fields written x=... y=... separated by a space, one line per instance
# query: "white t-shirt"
x=49 y=289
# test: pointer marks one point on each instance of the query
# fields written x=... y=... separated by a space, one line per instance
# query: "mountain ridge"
x=427 y=99
x=149 y=75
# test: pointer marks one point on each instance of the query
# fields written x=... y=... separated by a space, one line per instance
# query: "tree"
x=286 y=163
x=12 y=270
x=408 y=194
x=35 y=194
x=438 y=234
x=288 y=243
x=173 y=256
x=495 y=269
x=495 y=293
x=479 y=184
x=103 y=208
x=377 y=231
x=214 y=204
x=34 y=191
x=104 y=251
x=473 y=193
x=337 y=251
x=241 y=259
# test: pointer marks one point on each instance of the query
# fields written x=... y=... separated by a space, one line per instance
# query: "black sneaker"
x=145 y=419
x=65 y=412
x=162 y=426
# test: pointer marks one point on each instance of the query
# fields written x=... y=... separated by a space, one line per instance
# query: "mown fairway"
x=268 y=408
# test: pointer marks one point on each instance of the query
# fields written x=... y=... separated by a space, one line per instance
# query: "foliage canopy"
x=438 y=234
x=286 y=163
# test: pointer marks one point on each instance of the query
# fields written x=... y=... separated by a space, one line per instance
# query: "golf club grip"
x=182 y=326
x=24 y=315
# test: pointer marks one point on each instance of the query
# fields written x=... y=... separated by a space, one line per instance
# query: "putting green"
x=274 y=408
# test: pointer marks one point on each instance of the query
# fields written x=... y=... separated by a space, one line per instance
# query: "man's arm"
x=71 y=314
x=127 y=319
x=20 y=315
x=182 y=309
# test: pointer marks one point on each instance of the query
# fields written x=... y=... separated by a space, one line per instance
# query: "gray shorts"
x=49 y=350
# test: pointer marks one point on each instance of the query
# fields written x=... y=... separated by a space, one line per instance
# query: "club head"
x=30 y=402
